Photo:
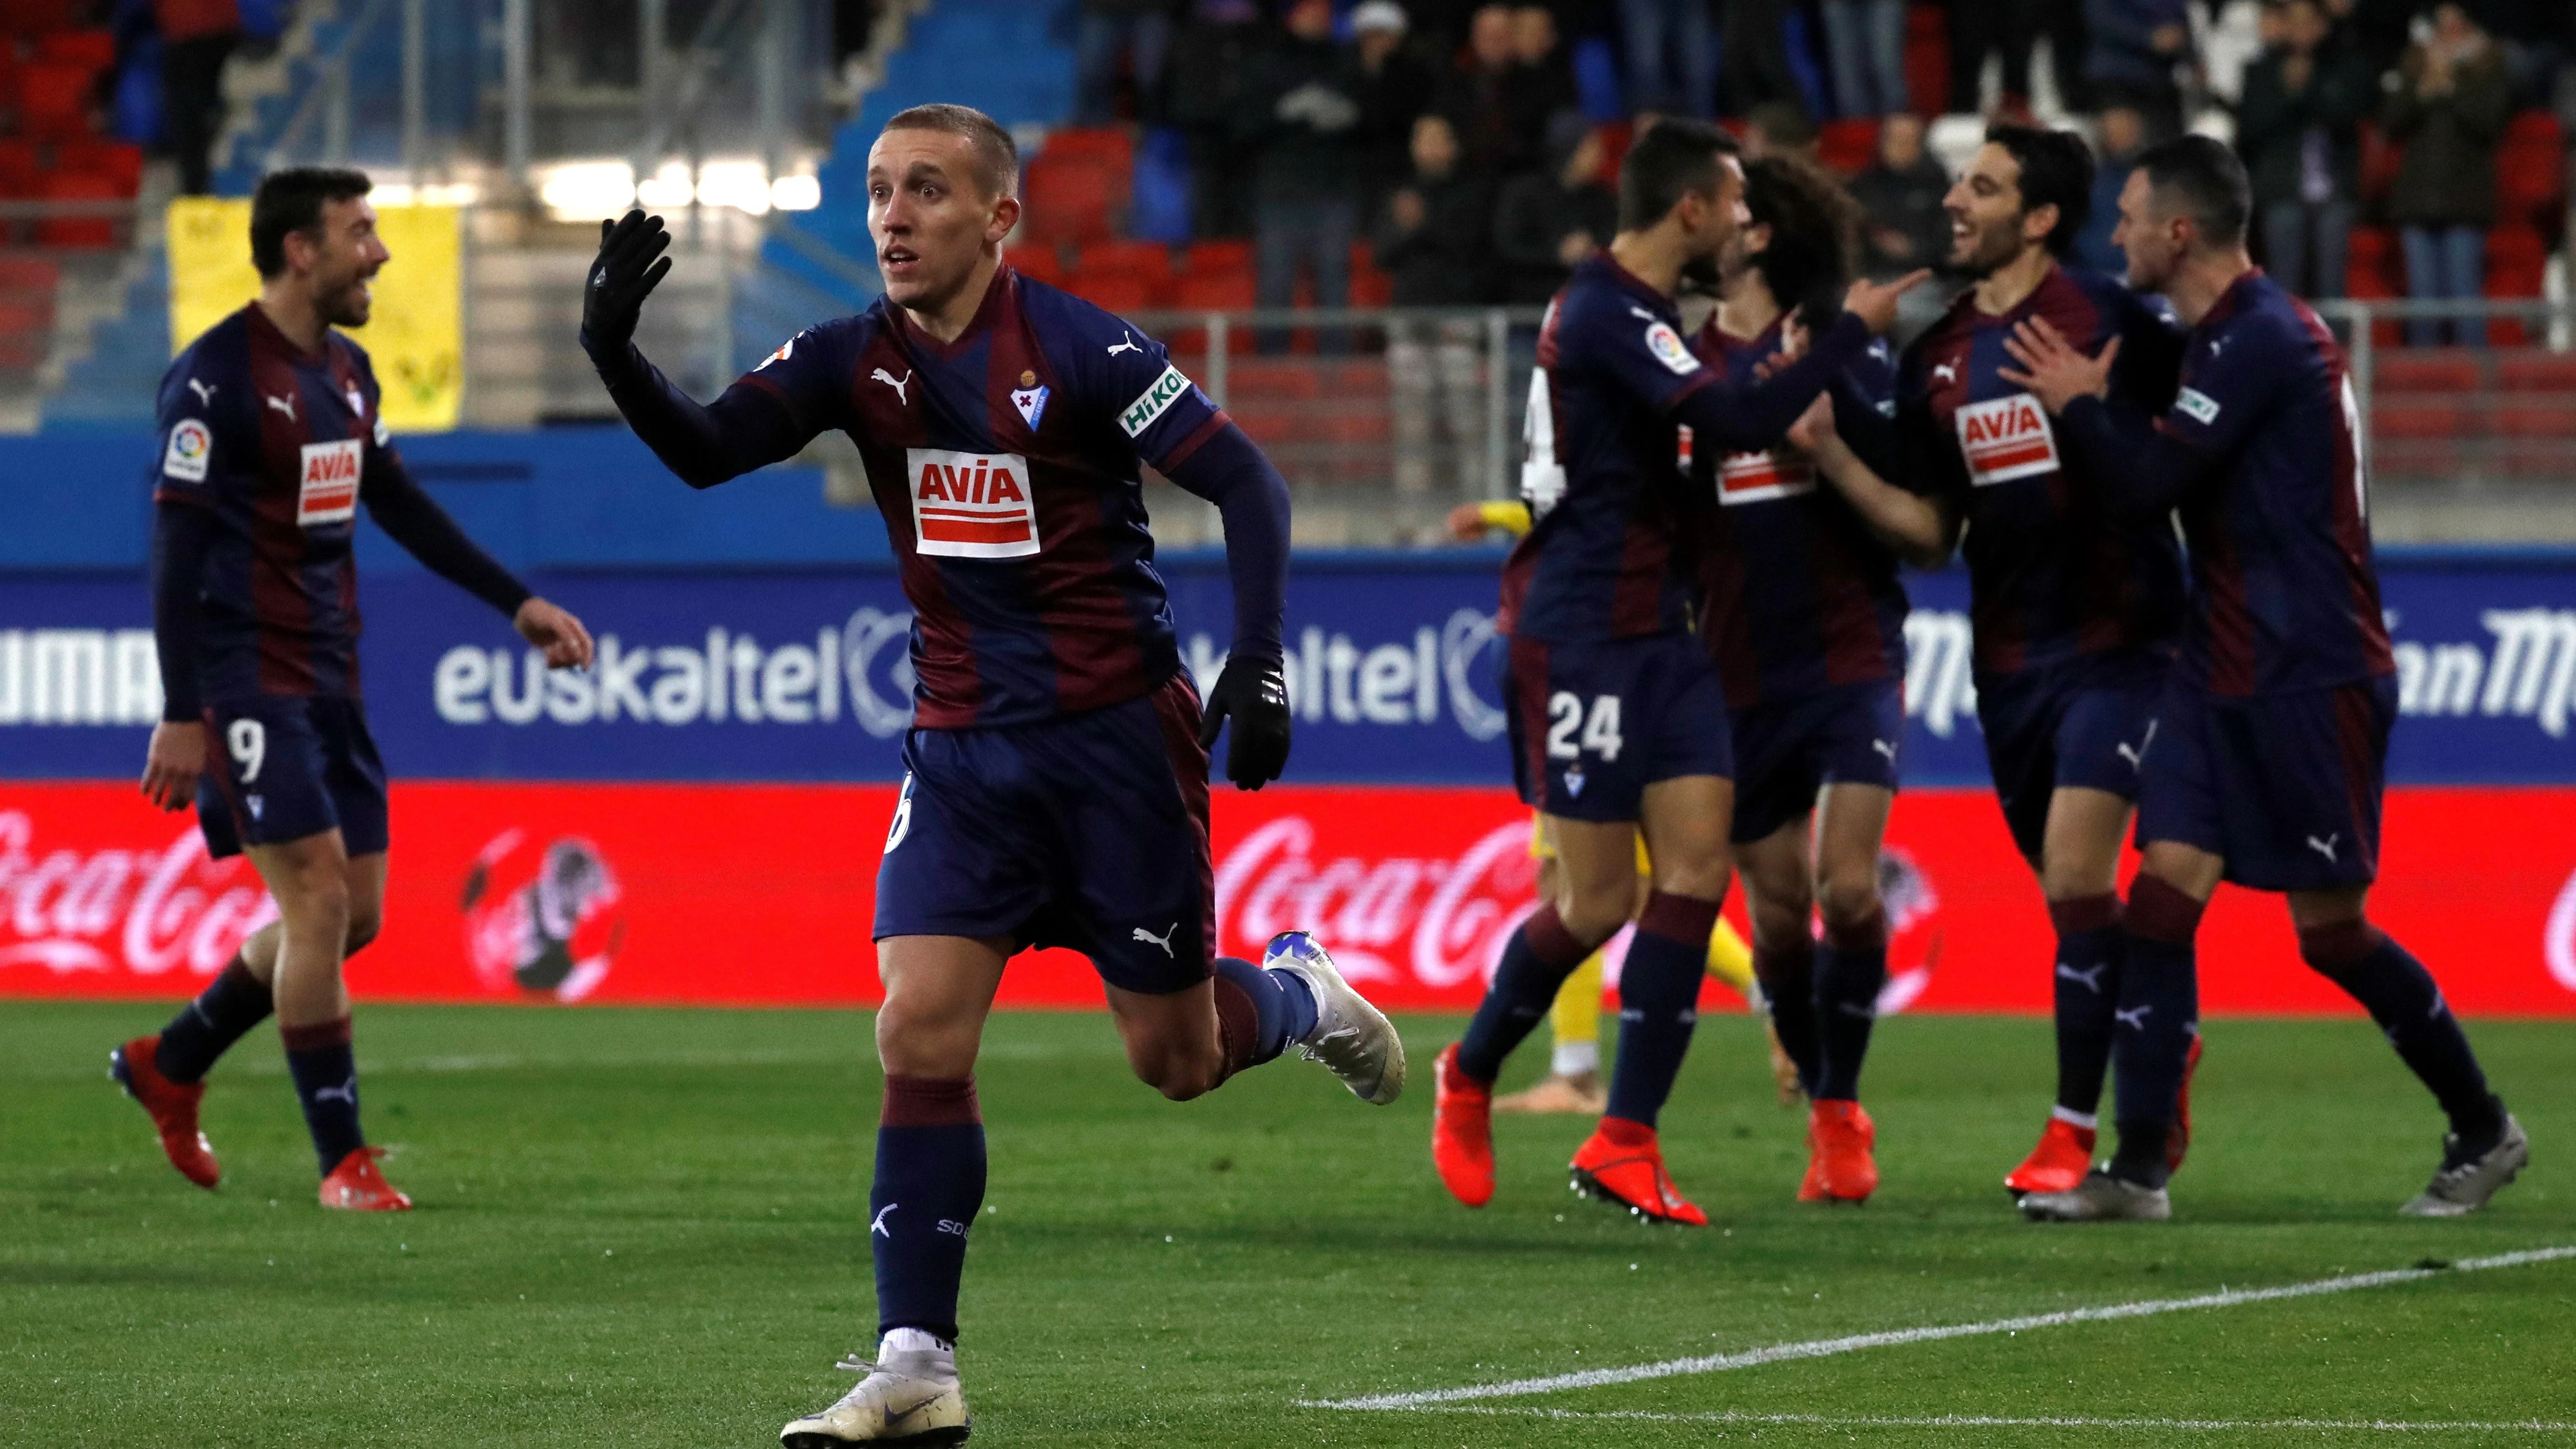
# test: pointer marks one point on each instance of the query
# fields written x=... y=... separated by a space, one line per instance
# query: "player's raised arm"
x=749 y=427
x=1919 y=529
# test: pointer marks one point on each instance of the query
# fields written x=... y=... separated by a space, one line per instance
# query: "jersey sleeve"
x=184 y=416
x=1161 y=413
x=810 y=375
x=2226 y=388
x=2151 y=347
x=1641 y=353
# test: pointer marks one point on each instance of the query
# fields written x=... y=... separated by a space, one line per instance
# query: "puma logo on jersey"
x=2325 y=847
x=2137 y=758
x=1946 y=372
x=1164 y=940
x=879 y=1226
x=2134 y=1018
x=2090 y=980
x=1885 y=747
x=205 y=392
x=285 y=405
x=898 y=384
x=1127 y=346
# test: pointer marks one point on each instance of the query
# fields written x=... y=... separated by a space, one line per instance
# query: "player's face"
x=1721 y=214
x=2153 y=242
x=1736 y=257
x=347 y=258
x=930 y=215
x=1987 y=224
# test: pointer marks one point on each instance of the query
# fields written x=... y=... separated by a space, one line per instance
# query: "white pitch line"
x=1827 y=1347
x=1998 y=1421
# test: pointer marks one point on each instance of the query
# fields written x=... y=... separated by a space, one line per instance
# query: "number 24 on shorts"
x=1599 y=726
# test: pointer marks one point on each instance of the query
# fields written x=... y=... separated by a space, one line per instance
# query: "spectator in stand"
x=1900 y=194
x=1672 y=57
x=1867 y=39
x=196 y=36
x=1394 y=87
x=1438 y=245
x=2124 y=135
x=1210 y=66
x=2447 y=107
x=1303 y=117
x=1543 y=78
x=2135 y=46
x=2299 y=128
x=1753 y=55
x=1979 y=28
x=1477 y=99
x=1131 y=34
x=1548 y=220
x=1779 y=128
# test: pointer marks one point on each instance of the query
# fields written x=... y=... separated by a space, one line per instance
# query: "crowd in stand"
x=1470 y=145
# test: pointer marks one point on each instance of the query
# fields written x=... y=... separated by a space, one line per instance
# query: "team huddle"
x=1703 y=679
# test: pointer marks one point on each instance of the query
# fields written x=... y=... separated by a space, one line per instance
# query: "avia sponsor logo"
x=1401 y=682
x=2006 y=438
x=79 y=677
x=1761 y=477
x=329 y=491
x=2526 y=671
x=544 y=920
x=860 y=669
x=1438 y=922
x=144 y=912
x=972 y=505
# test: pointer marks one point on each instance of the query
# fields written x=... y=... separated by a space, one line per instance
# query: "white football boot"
x=2099 y=1198
x=2464 y=1182
x=1353 y=1039
x=909 y=1396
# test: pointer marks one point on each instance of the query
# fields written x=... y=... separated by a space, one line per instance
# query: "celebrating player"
x=2075 y=607
x=271 y=438
x=1616 y=713
x=1806 y=622
x=1056 y=786
x=2272 y=739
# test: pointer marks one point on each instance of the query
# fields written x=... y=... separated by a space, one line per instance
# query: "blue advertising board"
x=775 y=674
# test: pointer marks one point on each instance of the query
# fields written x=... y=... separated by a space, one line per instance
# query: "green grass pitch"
x=648 y=1227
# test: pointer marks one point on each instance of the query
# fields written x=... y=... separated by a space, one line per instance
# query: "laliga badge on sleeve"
x=1670 y=350
x=191 y=444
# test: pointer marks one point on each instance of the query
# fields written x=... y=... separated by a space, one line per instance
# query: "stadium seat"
x=1222 y=255
x=53 y=99
x=19 y=167
x=26 y=310
x=2379 y=158
x=1072 y=200
x=119 y=161
x=1214 y=291
x=93 y=48
x=36 y=17
x=1927 y=58
x=2423 y=370
x=2419 y=420
x=2555 y=419
x=1847 y=145
x=2530 y=172
x=2536 y=372
x=1151 y=261
x=2517 y=264
x=1037 y=261
x=92 y=233
x=1294 y=380
x=1115 y=291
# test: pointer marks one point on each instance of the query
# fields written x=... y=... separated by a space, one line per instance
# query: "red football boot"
x=1621 y=1163
x=1840 y=1135
x=173 y=1106
x=2178 y=1141
x=2058 y=1163
x=360 y=1187
x=1462 y=1131
x=1811 y=1188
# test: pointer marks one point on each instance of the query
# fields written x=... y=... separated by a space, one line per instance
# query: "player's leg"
x=1779 y=900
x=928 y=1189
x=1573 y=1081
x=1851 y=970
x=2079 y=877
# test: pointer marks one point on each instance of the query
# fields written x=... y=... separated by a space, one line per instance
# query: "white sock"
x=1574 y=1058
x=912 y=1340
x=2086 y=1120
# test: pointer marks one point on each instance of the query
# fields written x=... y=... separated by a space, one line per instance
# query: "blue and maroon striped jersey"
x=1799 y=595
x=276 y=442
x=1606 y=496
x=2055 y=571
x=1005 y=464
x=2284 y=594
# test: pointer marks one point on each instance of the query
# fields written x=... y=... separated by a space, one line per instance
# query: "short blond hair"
x=997 y=156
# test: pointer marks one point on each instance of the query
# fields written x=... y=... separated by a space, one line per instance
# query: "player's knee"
x=365 y=923
x=1597 y=916
x=1849 y=902
x=1178 y=1073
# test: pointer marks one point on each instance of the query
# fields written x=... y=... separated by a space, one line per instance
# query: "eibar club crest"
x=1031 y=401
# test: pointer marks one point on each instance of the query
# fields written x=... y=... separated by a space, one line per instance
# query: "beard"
x=1700 y=277
x=346 y=305
x=1990 y=250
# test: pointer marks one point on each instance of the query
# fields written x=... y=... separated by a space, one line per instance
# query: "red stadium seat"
x=118 y=161
x=19 y=168
x=1151 y=261
x=36 y=17
x=2530 y=171
x=1072 y=200
x=1108 y=145
x=2421 y=370
x=2536 y=372
x=1298 y=380
x=1214 y=291
x=84 y=232
x=1849 y=144
x=1036 y=261
x=2416 y=420
x=2538 y=420
x=1222 y=255
x=2517 y=264
x=1927 y=58
x=1357 y=379
x=1114 y=291
x=93 y=48
x=53 y=99
x=2379 y=158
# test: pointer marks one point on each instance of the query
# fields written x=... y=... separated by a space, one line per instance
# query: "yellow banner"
x=416 y=332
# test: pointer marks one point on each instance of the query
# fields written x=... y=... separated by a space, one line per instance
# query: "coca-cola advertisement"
x=763 y=895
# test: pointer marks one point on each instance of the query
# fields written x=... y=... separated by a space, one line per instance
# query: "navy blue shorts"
x=282 y=767
x=2284 y=787
x=1786 y=751
x=1592 y=725
x=1089 y=831
x=2084 y=724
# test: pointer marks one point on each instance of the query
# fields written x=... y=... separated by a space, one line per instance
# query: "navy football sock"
x=2089 y=950
x=326 y=1082
x=1259 y=1012
x=929 y=1186
x=1788 y=976
x=2158 y=1014
x=1541 y=954
x=206 y=1028
x=2402 y=997
x=1851 y=967
x=1658 y=1003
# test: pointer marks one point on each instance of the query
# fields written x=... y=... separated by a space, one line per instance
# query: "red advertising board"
x=762 y=895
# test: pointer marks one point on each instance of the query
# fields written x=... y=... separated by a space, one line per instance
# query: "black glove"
x=1256 y=699
x=624 y=274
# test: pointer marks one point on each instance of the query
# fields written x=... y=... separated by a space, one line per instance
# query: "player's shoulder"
x=2255 y=319
x=1058 y=314
x=216 y=356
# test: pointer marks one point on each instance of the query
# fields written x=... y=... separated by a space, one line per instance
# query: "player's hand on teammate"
x=1813 y=433
x=1255 y=698
x=621 y=277
x=554 y=630
x=1874 y=303
x=171 y=766
x=2053 y=370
